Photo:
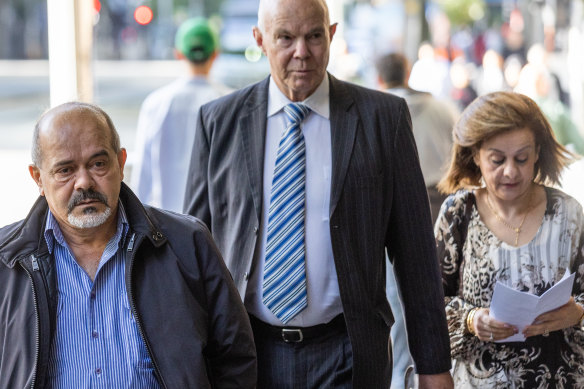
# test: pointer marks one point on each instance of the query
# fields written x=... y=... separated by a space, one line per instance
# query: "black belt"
x=297 y=334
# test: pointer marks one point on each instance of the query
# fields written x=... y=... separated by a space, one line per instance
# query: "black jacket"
x=378 y=204
x=185 y=304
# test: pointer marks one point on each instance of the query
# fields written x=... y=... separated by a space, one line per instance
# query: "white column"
x=70 y=25
x=84 y=16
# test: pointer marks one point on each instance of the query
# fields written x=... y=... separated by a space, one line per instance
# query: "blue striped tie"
x=284 y=273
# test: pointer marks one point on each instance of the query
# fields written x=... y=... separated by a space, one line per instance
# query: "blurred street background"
x=461 y=49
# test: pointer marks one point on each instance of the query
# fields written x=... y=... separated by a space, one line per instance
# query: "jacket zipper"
x=35 y=267
x=135 y=311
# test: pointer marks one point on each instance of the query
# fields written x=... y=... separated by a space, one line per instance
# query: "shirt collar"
x=318 y=101
x=54 y=235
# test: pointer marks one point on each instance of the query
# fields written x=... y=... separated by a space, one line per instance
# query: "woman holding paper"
x=504 y=223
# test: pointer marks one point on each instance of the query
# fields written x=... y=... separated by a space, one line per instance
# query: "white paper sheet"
x=520 y=308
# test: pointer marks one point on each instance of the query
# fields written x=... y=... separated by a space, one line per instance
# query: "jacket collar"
x=26 y=237
x=251 y=129
x=344 y=120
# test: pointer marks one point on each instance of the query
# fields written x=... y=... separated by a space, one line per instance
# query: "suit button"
x=255 y=229
x=336 y=227
x=246 y=276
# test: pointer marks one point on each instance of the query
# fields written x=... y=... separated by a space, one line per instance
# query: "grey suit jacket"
x=378 y=202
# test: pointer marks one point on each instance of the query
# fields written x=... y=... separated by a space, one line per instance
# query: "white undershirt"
x=324 y=302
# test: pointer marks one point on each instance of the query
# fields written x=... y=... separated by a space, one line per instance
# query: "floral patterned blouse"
x=470 y=269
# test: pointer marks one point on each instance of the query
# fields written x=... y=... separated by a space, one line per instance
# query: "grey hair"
x=36 y=151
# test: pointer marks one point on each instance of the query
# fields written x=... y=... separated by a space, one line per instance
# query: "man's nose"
x=301 y=48
x=84 y=179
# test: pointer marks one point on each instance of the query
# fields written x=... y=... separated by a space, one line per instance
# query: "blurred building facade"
x=460 y=32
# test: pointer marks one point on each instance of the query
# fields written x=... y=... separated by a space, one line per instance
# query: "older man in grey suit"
x=305 y=181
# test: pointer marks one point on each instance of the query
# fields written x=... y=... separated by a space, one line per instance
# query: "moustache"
x=84 y=195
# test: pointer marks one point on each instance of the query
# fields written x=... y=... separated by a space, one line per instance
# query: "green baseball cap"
x=196 y=40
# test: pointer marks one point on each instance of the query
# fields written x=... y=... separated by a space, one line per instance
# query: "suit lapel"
x=252 y=130
x=344 y=121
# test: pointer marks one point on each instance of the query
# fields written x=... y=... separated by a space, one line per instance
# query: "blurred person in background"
x=511 y=69
x=165 y=133
x=430 y=72
x=489 y=77
x=536 y=81
x=513 y=33
x=505 y=224
x=432 y=122
x=539 y=56
x=462 y=92
x=99 y=290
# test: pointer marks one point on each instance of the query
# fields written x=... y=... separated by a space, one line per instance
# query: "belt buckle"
x=292 y=335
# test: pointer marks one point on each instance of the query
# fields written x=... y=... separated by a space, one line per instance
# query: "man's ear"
x=381 y=83
x=122 y=156
x=178 y=55
x=259 y=38
x=35 y=173
x=332 y=30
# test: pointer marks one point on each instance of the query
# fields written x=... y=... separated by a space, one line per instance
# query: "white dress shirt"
x=324 y=301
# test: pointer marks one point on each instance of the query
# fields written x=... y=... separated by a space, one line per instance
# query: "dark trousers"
x=321 y=362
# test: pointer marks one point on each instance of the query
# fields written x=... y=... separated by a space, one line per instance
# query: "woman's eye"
x=523 y=160
x=498 y=161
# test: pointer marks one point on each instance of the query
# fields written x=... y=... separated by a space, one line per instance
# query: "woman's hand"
x=565 y=316
x=488 y=329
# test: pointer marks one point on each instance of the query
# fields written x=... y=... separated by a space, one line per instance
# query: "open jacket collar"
x=344 y=121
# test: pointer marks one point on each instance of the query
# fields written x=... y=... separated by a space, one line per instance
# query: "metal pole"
x=84 y=14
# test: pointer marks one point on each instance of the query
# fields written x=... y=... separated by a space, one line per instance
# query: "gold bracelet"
x=469 y=320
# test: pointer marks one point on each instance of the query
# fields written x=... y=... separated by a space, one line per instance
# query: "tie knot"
x=296 y=112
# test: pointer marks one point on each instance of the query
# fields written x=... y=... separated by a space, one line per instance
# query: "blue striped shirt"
x=97 y=343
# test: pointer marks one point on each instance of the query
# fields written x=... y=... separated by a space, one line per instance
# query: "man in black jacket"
x=98 y=289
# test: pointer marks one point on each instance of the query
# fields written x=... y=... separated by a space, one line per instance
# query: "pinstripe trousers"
x=323 y=362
